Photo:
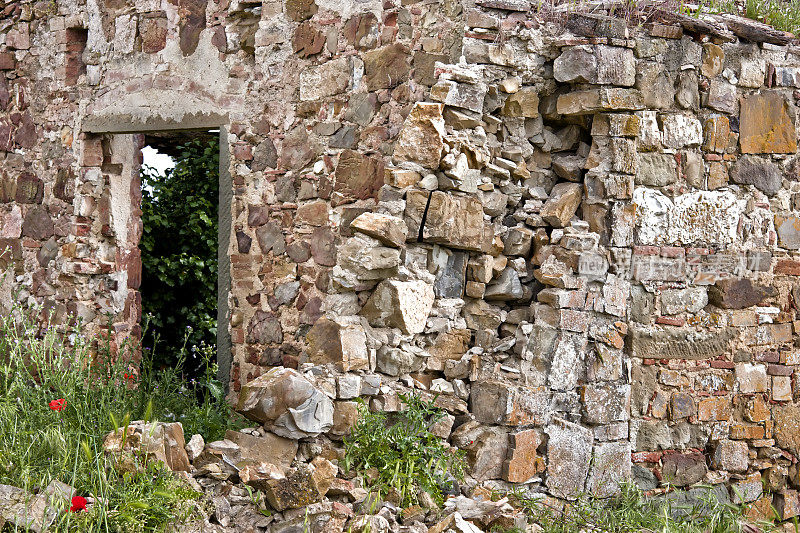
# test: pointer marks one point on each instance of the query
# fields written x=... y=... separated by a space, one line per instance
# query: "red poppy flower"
x=78 y=504
x=129 y=376
x=58 y=405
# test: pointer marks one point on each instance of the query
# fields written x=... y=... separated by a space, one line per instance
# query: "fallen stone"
x=267 y=449
x=131 y=447
x=287 y=404
x=297 y=489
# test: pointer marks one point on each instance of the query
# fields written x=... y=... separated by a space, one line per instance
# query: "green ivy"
x=179 y=253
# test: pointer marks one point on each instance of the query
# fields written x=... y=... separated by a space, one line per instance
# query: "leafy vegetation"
x=632 y=512
x=179 y=254
x=397 y=452
x=61 y=394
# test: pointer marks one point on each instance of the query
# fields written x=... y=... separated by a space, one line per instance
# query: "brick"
x=789 y=267
x=779 y=370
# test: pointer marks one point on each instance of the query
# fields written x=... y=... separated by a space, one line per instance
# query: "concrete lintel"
x=138 y=123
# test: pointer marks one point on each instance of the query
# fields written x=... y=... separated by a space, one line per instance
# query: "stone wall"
x=580 y=239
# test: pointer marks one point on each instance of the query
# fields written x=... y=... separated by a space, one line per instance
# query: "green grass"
x=632 y=512
x=404 y=456
x=39 y=364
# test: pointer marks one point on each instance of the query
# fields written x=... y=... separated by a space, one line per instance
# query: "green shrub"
x=404 y=454
x=40 y=364
x=179 y=253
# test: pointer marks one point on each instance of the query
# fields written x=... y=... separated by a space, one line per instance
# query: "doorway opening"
x=180 y=177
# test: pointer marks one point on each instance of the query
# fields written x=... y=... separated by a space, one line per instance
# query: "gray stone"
x=676 y=301
x=761 y=173
x=684 y=469
x=788 y=228
x=569 y=453
x=569 y=167
x=517 y=242
x=656 y=169
x=576 y=65
x=397 y=361
x=506 y=287
x=615 y=66
x=463 y=95
x=604 y=403
x=643 y=477
x=679 y=343
x=611 y=466
x=451 y=272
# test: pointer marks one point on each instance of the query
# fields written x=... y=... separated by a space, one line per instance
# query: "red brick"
x=646 y=457
x=670 y=321
x=779 y=370
x=646 y=250
x=7 y=61
x=672 y=251
x=768 y=357
x=789 y=267
x=728 y=365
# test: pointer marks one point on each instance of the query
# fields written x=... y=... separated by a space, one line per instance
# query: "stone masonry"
x=582 y=240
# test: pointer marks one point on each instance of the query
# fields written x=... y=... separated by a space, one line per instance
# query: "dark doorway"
x=179 y=248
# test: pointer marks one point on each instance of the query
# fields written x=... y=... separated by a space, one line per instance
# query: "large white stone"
x=710 y=217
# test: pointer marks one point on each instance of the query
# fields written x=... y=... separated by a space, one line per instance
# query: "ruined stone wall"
x=582 y=240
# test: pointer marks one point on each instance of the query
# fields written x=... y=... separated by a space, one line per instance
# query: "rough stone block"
x=400 y=304
x=523 y=462
x=766 y=124
x=330 y=342
x=751 y=378
x=731 y=455
x=611 y=466
x=605 y=403
x=681 y=470
x=569 y=451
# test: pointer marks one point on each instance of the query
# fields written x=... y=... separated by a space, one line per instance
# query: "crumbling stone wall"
x=581 y=240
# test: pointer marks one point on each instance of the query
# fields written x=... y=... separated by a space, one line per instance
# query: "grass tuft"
x=92 y=394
